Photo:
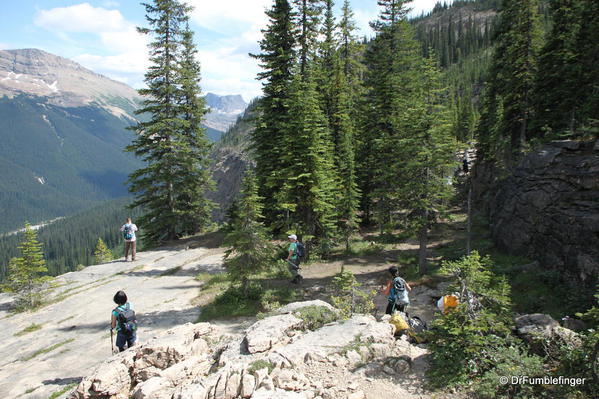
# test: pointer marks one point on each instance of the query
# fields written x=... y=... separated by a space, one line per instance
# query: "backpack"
x=300 y=250
x=128 y=232
x=401 y=294
x=127 y=320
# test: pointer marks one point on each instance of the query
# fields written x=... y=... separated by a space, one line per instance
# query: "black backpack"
x=127 y=320
x=300 y=250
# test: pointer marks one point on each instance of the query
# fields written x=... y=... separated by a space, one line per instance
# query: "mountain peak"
x=64 y=82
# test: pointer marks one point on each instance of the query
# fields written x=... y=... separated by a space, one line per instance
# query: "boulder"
x=267 y=333
x=335 y=338
x=110 y=380
x=154 y=388
x=193 y=391
x=187 y=370
x=248 y=384
x=535 y=323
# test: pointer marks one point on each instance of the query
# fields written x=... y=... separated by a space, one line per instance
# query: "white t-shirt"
x=133 y=229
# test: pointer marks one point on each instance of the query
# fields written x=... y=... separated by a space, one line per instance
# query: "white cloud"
x=4 y=46
x=123 y=52
x=81 y=18
x=110 y=4
x=222 y=15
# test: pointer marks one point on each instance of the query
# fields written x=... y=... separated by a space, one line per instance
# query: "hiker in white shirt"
x=129 y=230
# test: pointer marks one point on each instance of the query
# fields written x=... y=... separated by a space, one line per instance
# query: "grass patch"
x=232 y=302
x=135 y=269
x=259 y=365
x=315 y=316
x=354 y=346
x=170 y=272
x=46 y=350
x=62 y=391
x=212 y=280
x=31 y=390
x=30 y=328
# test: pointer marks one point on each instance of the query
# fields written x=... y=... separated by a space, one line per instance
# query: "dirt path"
x=74 y=335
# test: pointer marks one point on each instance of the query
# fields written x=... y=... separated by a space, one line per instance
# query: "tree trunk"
x=469 y=222
x=423 y=241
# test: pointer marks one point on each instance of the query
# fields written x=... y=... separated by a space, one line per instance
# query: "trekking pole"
x=111 y=341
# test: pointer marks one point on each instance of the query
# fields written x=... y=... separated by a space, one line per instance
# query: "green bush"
x=259 y=365
x=510 y=361
x=315 y=316
x=463 y=342
x=349 y=297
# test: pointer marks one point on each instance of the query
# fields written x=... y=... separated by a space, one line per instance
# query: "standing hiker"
x=295 y=252
x=123 y=319
x=129 y=230
x=397 y=291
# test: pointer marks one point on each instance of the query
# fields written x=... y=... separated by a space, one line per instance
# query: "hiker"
x=294 y=257
x=129 y=230
x=447 y=303
x=123 y=319
x=397 y=290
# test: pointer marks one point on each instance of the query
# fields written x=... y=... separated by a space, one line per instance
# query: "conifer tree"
x=193 y=208
x=25 y=274
x=308 y=18
x=277 y=59
x=170 y=143
x=101 y=253
x=342 y=130
x=307 y=195
x=250 y=252
x=391 y=60
x=425 y=157
x=509 y=98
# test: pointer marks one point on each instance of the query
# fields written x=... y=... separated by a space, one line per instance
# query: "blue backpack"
x=128 y=232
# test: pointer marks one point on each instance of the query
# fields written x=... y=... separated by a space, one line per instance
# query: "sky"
x=101 y=35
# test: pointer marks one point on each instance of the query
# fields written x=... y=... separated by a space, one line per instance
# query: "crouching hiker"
x=123 y=319
x=397 y=289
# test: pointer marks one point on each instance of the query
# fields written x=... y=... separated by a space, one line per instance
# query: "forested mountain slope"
x=63 y=129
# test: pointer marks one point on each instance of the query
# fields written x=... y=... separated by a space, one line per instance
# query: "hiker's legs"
x=127 y=246
x=133 y=245
x=389 y=309
x=122 y=340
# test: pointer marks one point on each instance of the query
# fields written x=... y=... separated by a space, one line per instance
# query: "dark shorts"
x=122 y=339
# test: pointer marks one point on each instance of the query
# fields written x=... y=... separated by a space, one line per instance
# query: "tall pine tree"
x=171 y=142
x=508 y=105
x=277 y=59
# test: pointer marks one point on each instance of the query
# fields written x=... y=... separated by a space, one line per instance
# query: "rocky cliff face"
x=549 y=210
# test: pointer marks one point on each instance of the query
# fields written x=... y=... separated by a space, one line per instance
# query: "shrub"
x=510 y=361
x=259 y=365
x=315 y=316
x=463 y=342
x=349 y=297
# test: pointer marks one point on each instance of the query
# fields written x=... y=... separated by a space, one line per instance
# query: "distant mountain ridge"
x=63 y=129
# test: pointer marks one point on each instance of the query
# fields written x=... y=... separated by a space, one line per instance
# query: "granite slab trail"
x=74 y=335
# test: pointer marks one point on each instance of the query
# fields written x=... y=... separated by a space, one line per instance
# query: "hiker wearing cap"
x=293 y=258
x=397 y=289
x=129 y=230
